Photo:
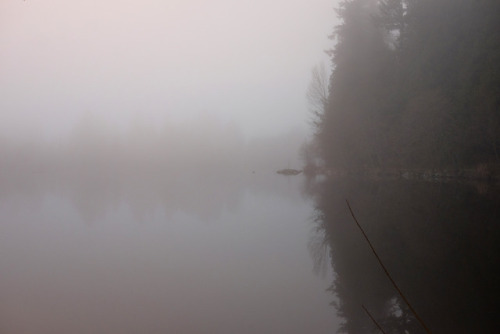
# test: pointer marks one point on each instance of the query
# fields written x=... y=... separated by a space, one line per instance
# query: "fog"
x=197 y=167
x=181 y=228
x=245 y=63
x=183 y=166
x=139 y=144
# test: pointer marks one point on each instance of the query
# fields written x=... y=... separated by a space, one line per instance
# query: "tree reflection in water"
x=440 y=242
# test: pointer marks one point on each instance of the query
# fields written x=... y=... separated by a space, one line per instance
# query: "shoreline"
x=483 y=173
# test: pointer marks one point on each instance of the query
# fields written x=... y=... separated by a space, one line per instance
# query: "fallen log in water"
x=289 y=171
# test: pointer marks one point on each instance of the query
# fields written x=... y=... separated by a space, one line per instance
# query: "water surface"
x=439 y=241
x=92 y=249
x=143 y=244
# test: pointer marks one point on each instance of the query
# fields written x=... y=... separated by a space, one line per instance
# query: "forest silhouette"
x=415 y=84
x=414 y=91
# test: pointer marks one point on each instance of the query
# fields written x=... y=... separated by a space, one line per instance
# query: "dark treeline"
x=415 y=84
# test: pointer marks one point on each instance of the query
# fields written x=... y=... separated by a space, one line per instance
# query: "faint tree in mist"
x=317 y=92
x=317 y=96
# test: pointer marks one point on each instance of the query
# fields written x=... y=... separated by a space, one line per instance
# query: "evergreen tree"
x=415 y=83
x=361 y=62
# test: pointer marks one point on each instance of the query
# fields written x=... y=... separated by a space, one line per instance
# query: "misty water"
x=115 y=240
x=101 y=239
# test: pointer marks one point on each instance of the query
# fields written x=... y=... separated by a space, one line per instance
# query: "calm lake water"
x=99 y=250
x=440 y=242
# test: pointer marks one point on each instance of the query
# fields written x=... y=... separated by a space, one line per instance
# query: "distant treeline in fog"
x=199 y=145
x=199 y=166
x=415 y=84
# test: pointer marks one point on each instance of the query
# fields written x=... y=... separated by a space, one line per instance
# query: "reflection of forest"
x=440 y=242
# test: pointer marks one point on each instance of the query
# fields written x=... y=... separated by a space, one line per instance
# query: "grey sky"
x=242 y=62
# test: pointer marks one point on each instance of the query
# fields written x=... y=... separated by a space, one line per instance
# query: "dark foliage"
x=415 y=83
